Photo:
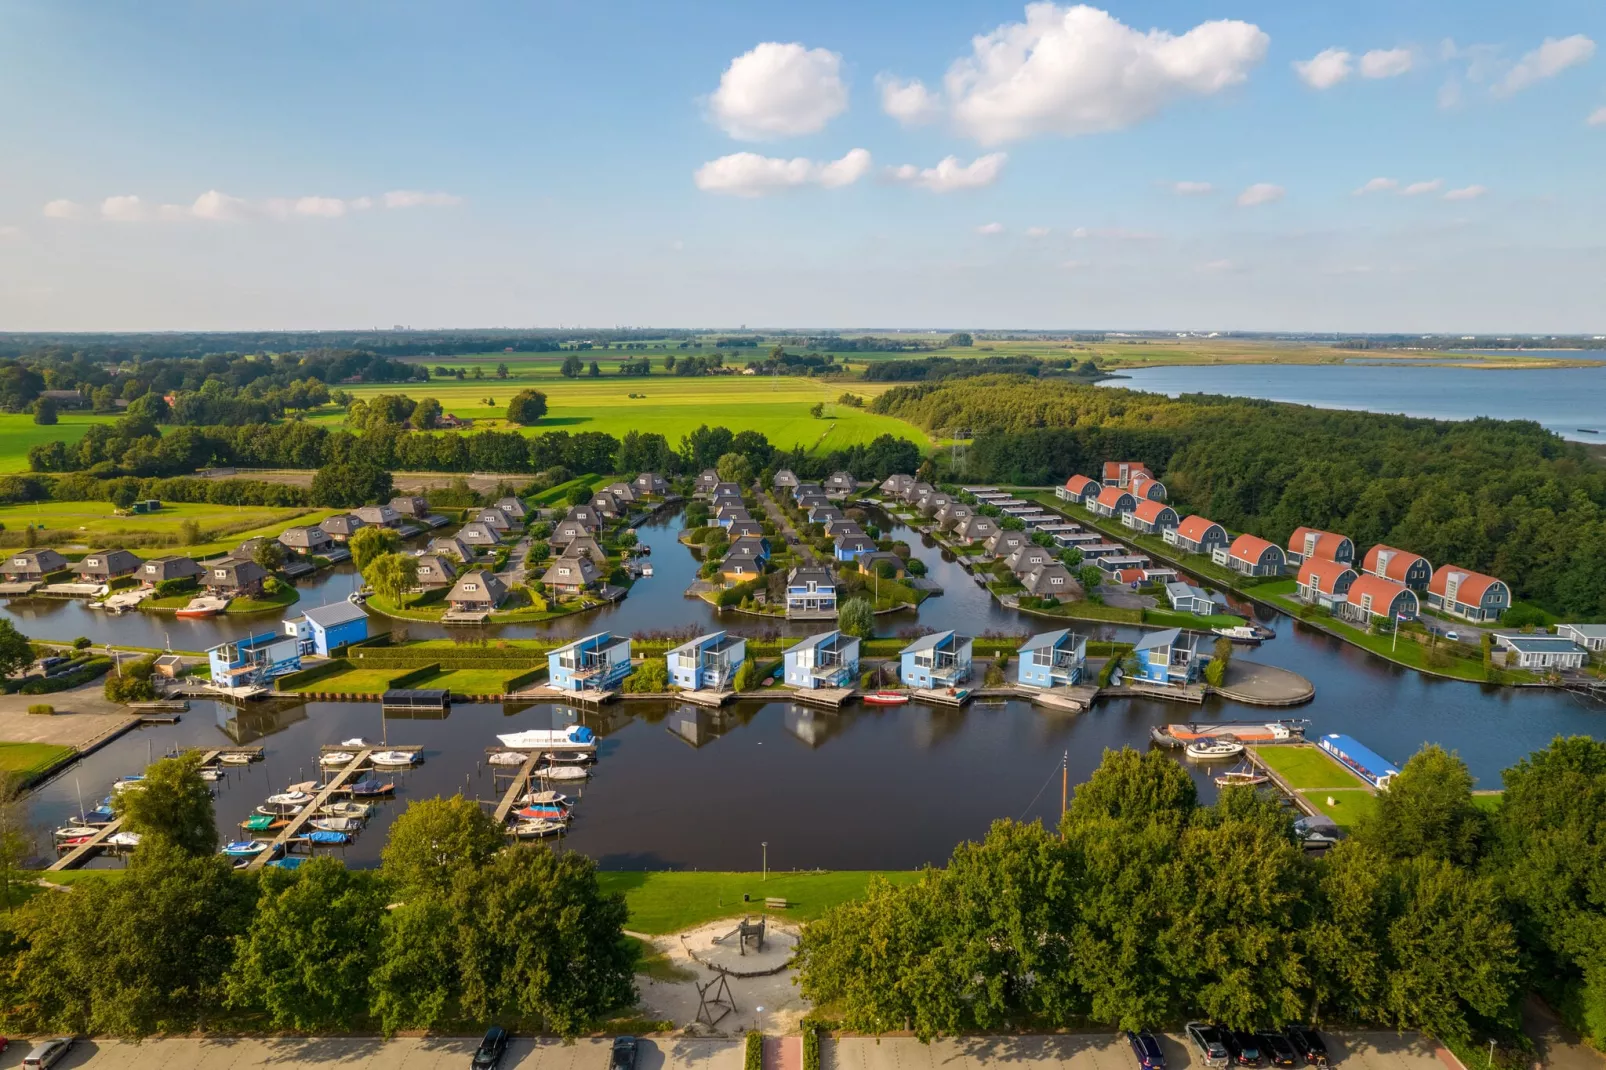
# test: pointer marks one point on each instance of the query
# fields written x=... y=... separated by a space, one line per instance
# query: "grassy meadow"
x=93 y=525
x=19 y=434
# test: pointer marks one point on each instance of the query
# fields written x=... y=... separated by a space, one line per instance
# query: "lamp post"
x=765 y=873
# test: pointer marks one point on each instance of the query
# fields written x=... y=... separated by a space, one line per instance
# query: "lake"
x=1564 y=400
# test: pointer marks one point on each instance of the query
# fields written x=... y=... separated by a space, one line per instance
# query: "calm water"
x=1561 y=399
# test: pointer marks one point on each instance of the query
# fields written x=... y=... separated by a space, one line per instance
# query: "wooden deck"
x=80 y=854
x=706 y=697
x=1076 y=698
x=833 y=697
x=520 y=785
x=942 y=696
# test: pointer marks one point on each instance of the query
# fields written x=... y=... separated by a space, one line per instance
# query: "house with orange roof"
x=1401 y=566
x=1077 y=489
x=1120 y=473
x=1372 y=599
x=1310 y=542
x=1197 y=535
x=1145 y=486
x=1469 y=595
x=1111 y=501
x=1250 y=555
x=1324 y=583
x=1149 y=517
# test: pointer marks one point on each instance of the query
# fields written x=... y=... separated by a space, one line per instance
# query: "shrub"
x=651 y=677
x=753 y=1056
x=1215 y=672
x=857 y=618
x=747 y=676
x=81 y=643
x=41 y=709
x=811 y=1047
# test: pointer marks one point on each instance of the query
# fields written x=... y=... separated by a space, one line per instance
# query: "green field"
x=1308 y=768
x=93 y=525
x=668 y=902
x=19 y=434
x=28 y=759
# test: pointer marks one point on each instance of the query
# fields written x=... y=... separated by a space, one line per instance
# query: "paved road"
x=1555 y=1044
x=1357 y=1051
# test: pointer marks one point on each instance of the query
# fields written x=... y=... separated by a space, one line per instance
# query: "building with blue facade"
x=596 y=663
x=1362 y=761
x=247 y=665
x=707 y=663
x=1167 y=659
x=810 y=594
x=829 y=659
x=325 y=629
x=936 y=661
x=1052 y=659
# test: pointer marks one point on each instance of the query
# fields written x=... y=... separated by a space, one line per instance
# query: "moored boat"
x=538 y=798
x=1250 y=732
x=573 y=758
x=371 y=788
x=1241 y=778
x=122 y=839
x=345 y=809
x=326 y=838
x=235 y=758
x=1214 y=750
x=244 y=848
x=76 y=832
x=264 y=823
x=886 y=698
x=336 y=824
x=508 y=757
x=394 y=758
x=1241 y=633
x=526 y=830
x=574 y=737
x=290 y=798
x=212 y=772
x=338 y=757
x=563 y=772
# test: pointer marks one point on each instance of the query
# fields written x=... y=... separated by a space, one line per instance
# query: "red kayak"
x=886 y=698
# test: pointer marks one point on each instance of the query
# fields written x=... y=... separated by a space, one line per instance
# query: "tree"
x=592 y=370
x=433 y=839
x=44 y=411
x=501 y=371
x=124 y=495
x=427 y=414
x=1134 y=788
x=132 y=682
x=350 y=483
x=735 y=468
x=173 y=804
x=369 y=542
x=418 y=981
x=269 y=554
x=959 y=338
x=651 y=677
x=527 y=408
x=392 y=575
x=540 y=939
x=577 y=495
x=307 y=956
x=16 y=653
x=817 y=410
x=16 y=837
x=747 y=678
x=1428 y=812
x=1090 y=577
x=857 y=618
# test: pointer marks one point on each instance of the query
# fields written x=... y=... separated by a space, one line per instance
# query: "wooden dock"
x=706 y=697
x=1076 y=698
x=520 y=785
x=350 y=771
x=81 y=854
x=834 y=697
x=941 y=696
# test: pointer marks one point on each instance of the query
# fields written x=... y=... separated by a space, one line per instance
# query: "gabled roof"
x=928 y=642
x=334 y=613
x=1037 y=580
x=1155 y=640
x=818 y=576
x=1326 y=573
x=1044 y=640
x=1249 y=548
x=1399 y=561
x=1112 y=469
x=1177 y=589
x=491 y=589
x=820 y=639
x=1474 y=585
x=1194 y=528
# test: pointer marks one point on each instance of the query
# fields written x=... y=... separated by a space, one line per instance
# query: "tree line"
x=1504 y=497
x=1150 y=908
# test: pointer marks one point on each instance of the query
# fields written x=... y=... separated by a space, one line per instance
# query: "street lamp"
x=765 y=873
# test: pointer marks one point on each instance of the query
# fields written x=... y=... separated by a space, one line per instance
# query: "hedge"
x=407 y=679
x=753 y=1056
x=451 y=661
x=89 y=670
x=292 y=680
x=513 y=683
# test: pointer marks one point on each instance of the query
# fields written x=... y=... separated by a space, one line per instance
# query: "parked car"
x=1207 y=1041
x=1316 y=832
x=1308 y=1044
x=624 y=1054
x=1147 y=1049
x=489 y=1054
x=1241 y=1045
x=47 y=1053
x=1276 y=1050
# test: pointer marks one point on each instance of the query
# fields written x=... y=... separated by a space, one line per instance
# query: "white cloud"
x=1466 y=193
x=1037 y=232
x=218 y=206
x=362 y=204
x=411 y=198
x=990 y=228
x=123 y=209
x=1386 y=63
x=747 y=174
x=1548 y=60
x=1597 y=117
x=1450 y=94
x=1260 y=193
x=1325 y=69
x=1377 y=185
x=63 y=209
x=1192 y=189
x=1073 y=265
x=950 y=175
x=779 y=90
x=1417 y=189
x=911 y=103
x=324 y=207
x=1079 y=70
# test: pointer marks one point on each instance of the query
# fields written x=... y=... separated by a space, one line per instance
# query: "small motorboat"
x=287 y=862
x=356 y=742
x=886 y=698
x=264 y=823
x=359 y=811
x=244 y=848
x=394 y=758
x=212 y=772
x=563 y=772
x=336 y=824
x=235 y=758
x=338 y=757
x=100 y=815
x=72 y=841
x=575 y=758
x=124 y=783
x=279 y=809
x=202 y=607
x=357 y=598
x=290 y=798
x=122 y=839
x=1240 y=633
x=369 y=788
x=507 y=757
x=327 y=838
x=1245 y=778
x=1214 y=750
x=548 y=798
x=76 y=832
x=527 y=830
x=545 y=812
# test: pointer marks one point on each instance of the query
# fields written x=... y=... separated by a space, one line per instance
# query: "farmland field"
x=93 y=526
x=19 y=434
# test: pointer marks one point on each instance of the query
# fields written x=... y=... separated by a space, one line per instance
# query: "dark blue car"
x=1147 y=1050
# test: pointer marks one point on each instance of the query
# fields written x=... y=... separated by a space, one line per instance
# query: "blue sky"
x=252 y=165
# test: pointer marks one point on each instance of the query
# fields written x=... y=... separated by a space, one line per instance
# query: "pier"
x=521 y=783
x=352 y=770
x=81 y=854
x=834 y=697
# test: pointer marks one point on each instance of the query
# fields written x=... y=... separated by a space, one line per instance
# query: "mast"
x=1065 y=781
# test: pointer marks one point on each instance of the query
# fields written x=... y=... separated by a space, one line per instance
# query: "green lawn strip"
x=19 y=434
x=1346 y=806
x=28 y=759
x=1168 y=618
x=287 y=596
x=1308 y=768
x=1488 y=801
x=669 y=902
x=354 y=682
x=468 y=681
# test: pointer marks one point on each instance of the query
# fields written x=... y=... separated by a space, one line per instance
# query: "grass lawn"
x=669 y=902
x=354 y=682
x=472 y=681
x=155 y=534
x=27 y=759
x=1308 y=767
x=1347 y=808
x=1489 y=801
x=19 y=434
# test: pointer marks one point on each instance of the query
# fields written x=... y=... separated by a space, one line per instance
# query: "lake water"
x=1564 y=400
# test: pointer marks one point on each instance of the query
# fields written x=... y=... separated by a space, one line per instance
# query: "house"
x=476 y=591
x=33 y=564
x=1401 y=566
x=1168 y=659
x=784 y=480
x=306 y=540
x=436 y=570
x=596 y=663
x=932 y=504
x=1592 y=637
x=1093 y=552
x=851 y=547
x=1147 y=488
x=840 y=485
x=1123 y=562
x=1541 y=651
x=234 y=577
x=413 y=507
x=168 y=666
x=325 y=629
x=1077 y=489
x=740 y=529
x=1027 y=557
x=1111 y=501
x=829 y=659
x=1323 y=582
x=870 y=564
x=584 y=514
x=494 y=519
x=812 y=500
x=727 y=490
x=819 y=514
x=976 y=528
x=1250 y=556
x=844 y=526
x=731 y=514
x=103 y=565
x=939 y=660
x=1149 y=517
x=1004 y=543
x=606 y=504
x=253 y=662
x=1120 y=473
x=449 y=422
x=1470 y=595
x=894 y=486
x=379 y=516
x=478 y=534
x=803 y=489
x=1051 y=580
x=706 y=480
x=1309 y=542
x=739 y=566
x=1186 y=598
x=341 y=528
x=451 y=546
x=650 y=485
x=952 y=515
x=1364 y=762
x=1052 y=659
x=757 y=545
x=587 y=547
x=810 y=592
x=161 y=569
x=916 y=491
x=66 y=399
x=1372 y=598
x=515 y=509
x=1197 y=535
x=571 y=576
x=624 y=492
x=708 y=662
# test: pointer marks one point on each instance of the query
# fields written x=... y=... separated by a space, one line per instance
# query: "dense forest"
x=931 y=369
x=117 y=347
x=1504 y=497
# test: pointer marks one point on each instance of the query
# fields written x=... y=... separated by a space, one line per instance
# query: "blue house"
x=829 y=659
x=1166 y=659
x=596 y=663
x=708 y=662
x=936 y=661
x=810 y=594
x=1364 y=762
x=253 y=663
x=328 y=628
x=1052 y=659
x=852 y=547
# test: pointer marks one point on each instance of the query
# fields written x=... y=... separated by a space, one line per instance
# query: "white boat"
x=289 y=798
x=122 y=839
x=563 y=772
x=244 y=848
x=1237 y=778
x=574 y=737
x=357 y=742
x=73 y=832
x=273 y=809
x=394 y=757
x=233 y=758
x=128 y=782
x=545 y=798
x=212 y=772
x=526 y=830
x=338 y=757
x=305 y=787
x=508 y=757
x=1241 y=633
x=579 y=757
x=336 y=824
x=345 y=809
x=1214 y=750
